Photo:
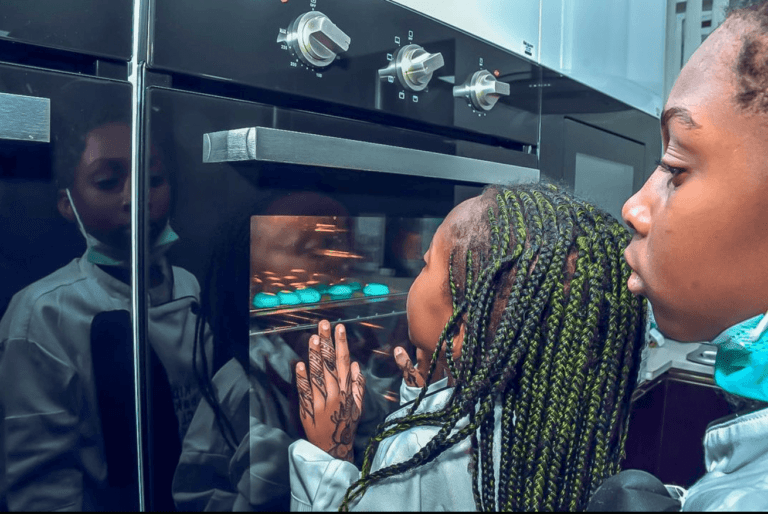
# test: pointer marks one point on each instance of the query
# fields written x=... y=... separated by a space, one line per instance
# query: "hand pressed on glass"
x=411 y=375
x=330 y=393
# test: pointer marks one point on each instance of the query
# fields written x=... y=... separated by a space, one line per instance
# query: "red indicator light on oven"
x=496 y=73
x=284 y=1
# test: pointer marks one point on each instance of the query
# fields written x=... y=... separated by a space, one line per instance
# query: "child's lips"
x=635 y=283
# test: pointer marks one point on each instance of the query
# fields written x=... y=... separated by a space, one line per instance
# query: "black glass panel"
x=96 y=28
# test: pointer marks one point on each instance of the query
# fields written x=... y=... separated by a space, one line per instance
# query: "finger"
x=342 y=357
x=411 y=376
x=327 y=351
x=306 y=405
x=358 y=391
x=316 y=368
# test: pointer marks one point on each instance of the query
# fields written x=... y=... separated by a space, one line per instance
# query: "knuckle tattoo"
x=316 y=374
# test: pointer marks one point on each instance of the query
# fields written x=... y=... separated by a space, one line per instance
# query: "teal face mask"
x=741 y=366
x=105 y=255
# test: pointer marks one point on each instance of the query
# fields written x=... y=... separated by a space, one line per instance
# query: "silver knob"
x=413 y=66
x=315 y=39
x=482 y=89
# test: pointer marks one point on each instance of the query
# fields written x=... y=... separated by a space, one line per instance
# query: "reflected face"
x=289 y=251
x=102 y=187
x=429 y=305
x=700 y=251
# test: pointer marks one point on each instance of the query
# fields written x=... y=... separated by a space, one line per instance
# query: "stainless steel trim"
x=313 y=325
x=285 y=146
x=25 y=118
x=139 y=279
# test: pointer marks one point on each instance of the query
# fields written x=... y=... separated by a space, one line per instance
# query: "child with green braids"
x=522 y=304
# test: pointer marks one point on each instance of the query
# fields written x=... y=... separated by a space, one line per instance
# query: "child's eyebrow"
x=681 y=114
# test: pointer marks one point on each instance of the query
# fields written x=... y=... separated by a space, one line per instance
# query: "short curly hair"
x=751 y=66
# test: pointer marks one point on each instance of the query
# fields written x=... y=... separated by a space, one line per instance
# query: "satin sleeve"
x=40 y=394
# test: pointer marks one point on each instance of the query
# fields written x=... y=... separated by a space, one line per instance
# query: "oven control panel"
x=482 y=89
x=375 y=56
x=314 y=39
x=413 y=67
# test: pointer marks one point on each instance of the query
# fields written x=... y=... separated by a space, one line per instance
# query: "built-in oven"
x=340 y=133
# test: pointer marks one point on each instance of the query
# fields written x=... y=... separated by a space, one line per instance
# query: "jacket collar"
x=737 y=442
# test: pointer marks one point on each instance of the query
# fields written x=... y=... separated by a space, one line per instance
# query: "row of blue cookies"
x=315 y=293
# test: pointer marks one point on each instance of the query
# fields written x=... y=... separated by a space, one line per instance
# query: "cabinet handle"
x=25 y=118
x=303 y=149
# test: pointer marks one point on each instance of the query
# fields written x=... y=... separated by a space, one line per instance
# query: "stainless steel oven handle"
x=25 y=118
x=285 y=146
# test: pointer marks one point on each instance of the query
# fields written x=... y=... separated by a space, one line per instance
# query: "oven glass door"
x=286 y=218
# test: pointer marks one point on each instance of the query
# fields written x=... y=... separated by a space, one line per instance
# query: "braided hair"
x=552 y=336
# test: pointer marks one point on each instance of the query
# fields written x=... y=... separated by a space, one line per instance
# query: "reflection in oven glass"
x=351 y=269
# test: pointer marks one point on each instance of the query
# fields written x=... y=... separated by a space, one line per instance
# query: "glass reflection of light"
x=372 y=325
x=338 y=253
x=380 y=352
x=325 y=227
x=391 y=396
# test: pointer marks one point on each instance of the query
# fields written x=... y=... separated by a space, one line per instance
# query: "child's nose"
x=126 y=193
x=637 y=213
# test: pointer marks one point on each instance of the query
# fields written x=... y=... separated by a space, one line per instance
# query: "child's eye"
x=674 y=171
x=107 y=184
x=156 y=180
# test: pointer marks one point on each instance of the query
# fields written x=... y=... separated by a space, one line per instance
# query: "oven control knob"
x=413 y=66
x=315 y=39
x=482 y=89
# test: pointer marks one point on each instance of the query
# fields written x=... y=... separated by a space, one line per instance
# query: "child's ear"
x=65 y=206
x=458 y=341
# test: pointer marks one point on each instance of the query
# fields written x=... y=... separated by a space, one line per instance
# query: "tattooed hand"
x=331 y=395
x=413 y=376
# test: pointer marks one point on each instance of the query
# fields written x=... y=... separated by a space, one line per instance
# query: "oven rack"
x=305 y=317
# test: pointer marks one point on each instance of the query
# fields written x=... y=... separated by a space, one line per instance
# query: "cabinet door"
x=94 y=28
x=667 y=426
x=604 y=168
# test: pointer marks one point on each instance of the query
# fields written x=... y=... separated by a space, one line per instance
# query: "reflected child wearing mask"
x=60 y=450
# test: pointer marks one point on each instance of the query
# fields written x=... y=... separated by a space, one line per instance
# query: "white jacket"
x=211 y=475
x=319 y=482
x=53 y=444
x=736 y=460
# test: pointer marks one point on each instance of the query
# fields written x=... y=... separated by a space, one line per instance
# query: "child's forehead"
x=465 y=213
x=110 y=141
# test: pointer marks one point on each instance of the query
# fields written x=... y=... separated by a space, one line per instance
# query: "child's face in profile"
x=102 y=189
x=700 y=252
x=429 y=305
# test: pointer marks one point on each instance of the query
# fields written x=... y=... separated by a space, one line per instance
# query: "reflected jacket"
x=212 y=475
x=53 y=449
x=319 y=482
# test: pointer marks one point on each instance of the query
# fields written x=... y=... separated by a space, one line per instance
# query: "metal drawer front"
x=25 y=118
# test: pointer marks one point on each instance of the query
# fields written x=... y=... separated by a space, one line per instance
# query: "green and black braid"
x=552 y=337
